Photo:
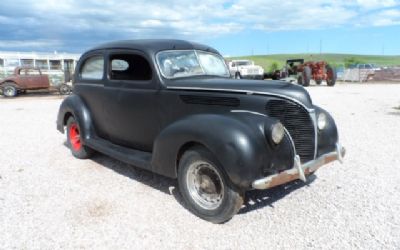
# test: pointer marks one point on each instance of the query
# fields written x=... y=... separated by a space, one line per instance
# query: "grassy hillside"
x=336 y=59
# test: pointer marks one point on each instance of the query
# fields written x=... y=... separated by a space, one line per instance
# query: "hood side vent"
x=211 y=100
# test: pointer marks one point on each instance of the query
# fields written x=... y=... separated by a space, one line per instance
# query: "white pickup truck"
x=245 y=69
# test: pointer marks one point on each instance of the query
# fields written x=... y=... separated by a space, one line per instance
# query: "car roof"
x=153 y=46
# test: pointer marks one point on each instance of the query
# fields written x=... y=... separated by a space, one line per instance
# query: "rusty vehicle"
x=28 y=78
x=171 y=107
x=304 y=72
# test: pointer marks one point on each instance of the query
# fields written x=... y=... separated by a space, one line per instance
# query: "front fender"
x=74 y=105
x=236 y=139
x=328 y=137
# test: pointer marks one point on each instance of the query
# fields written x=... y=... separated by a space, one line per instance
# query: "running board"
x=133 y=157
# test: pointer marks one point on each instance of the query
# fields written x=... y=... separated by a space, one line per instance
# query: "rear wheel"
x=74 y=140
x=9 y=90
x=332 y=75
x=205 y=188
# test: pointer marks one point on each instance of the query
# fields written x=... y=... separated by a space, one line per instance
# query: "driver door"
x=131 y=101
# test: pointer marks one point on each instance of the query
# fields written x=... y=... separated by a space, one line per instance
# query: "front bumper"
x=300 y=171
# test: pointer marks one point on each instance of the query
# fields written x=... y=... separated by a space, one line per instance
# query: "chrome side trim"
x=247 y=111
x=248 y=92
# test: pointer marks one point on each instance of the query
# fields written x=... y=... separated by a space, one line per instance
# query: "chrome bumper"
x=299 y=171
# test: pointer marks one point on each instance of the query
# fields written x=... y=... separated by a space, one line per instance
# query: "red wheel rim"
x=75 y=137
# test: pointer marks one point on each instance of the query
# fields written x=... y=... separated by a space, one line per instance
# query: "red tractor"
x=304 y=72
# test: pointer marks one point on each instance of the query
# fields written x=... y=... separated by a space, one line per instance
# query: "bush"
x=351 y=61
x=273 y=67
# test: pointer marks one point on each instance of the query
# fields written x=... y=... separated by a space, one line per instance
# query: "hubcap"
x=64 y=89
x=74 y=137
x=9 y=91
x=205 y=185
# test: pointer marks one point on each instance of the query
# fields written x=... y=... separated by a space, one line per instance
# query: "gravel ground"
x=49 y=200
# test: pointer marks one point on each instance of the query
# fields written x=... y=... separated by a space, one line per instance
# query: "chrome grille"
x=299 y=124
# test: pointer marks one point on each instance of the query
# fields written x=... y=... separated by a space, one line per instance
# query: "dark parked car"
x=169 y=106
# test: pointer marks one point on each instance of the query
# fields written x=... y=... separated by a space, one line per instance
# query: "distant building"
x=54 y=64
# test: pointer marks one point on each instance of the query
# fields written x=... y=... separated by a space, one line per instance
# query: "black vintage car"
x=170 y=106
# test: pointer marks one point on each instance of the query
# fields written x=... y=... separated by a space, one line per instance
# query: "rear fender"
x=74 y=105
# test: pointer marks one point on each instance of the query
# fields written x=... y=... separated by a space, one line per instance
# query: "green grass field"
x=335 y=59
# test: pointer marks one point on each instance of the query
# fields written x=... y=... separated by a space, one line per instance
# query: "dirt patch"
x=90 y=212
x=98 y=209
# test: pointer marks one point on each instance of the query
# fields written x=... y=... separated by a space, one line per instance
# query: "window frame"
x=195 y=51
x=37 y=70
x=83 y=62
x=129 y=83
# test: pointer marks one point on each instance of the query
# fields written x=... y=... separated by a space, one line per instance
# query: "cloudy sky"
x=239 y=27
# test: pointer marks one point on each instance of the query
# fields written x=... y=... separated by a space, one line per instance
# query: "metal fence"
x=364 y=75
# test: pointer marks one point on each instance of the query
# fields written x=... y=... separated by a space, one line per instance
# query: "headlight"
x=277 y=132
x=321 y=121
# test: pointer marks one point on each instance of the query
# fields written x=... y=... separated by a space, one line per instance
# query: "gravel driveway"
x=49 y=200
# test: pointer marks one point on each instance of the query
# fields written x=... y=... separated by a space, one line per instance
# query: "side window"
x=92 y=68
x=22 y=72
x=32 y=72
x=129 y=67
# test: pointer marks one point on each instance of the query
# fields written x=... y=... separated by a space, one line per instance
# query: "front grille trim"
x=300 y=124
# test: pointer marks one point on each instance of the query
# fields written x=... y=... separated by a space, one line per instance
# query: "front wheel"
x=74 y=140
x=65 y=89
x=10 y=90
x=205 y=189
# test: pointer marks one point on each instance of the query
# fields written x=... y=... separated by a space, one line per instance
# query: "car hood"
x=268 y=87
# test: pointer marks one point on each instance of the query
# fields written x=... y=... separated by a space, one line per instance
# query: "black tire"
x=65 y=89
x=231 y=199
x=81 y=152
x=318 y=82
x=300 y=79
x=306 y=76
x=9 y=89
x=332 y=76
x=238 y=76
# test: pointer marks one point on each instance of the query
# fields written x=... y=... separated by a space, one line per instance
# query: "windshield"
x=185 y=63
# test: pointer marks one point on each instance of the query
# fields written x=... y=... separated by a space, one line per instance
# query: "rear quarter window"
x=93 y=68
